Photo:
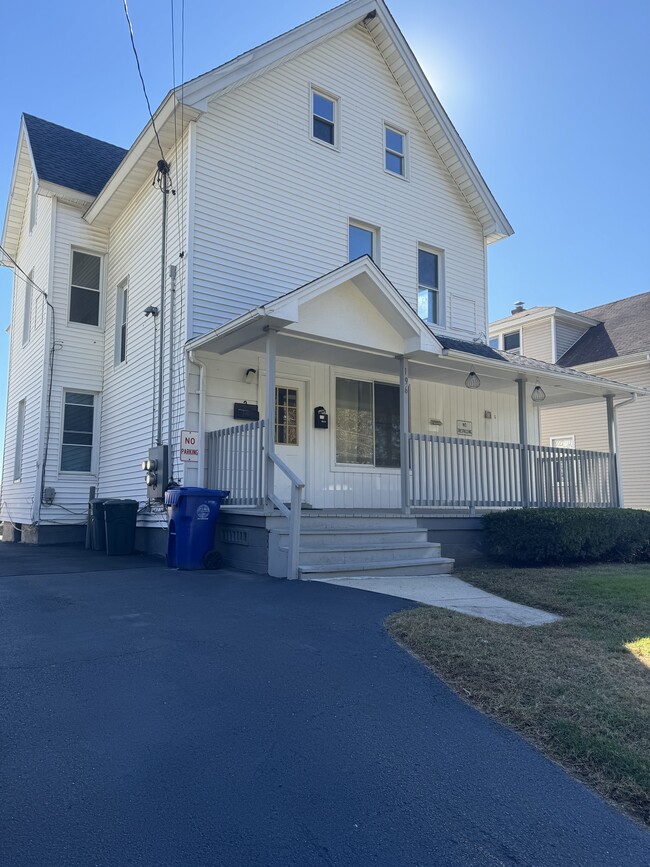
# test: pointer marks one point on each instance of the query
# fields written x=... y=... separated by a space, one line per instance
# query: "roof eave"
x=11 y=238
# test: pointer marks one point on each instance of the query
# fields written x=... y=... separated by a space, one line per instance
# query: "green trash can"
x=119 y=518
x=97 y=525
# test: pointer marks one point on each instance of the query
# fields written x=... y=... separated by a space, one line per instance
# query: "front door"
x=290 y=434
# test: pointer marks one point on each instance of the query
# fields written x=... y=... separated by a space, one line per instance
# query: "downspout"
x=201 y=393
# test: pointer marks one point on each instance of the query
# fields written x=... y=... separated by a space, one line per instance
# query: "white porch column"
x=523 y=439
x=405 y=426
x=269 y=412
x=612 y=438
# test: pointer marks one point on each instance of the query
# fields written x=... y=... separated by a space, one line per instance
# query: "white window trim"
x=571 y=437
x=121 y=318
x=321 y=91
x=359 y=376
x=400 y=131
x=28 y=308
x=94 y=457
x=376 y=238
x=502 y=340
x=19 y=440
x=102 y=293
x=33 y=205
x=442 y=293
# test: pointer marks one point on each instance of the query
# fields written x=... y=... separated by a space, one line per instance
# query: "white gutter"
x=201 y=393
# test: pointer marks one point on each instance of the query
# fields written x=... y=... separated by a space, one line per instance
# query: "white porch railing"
x=235 y=463
x=452 y=471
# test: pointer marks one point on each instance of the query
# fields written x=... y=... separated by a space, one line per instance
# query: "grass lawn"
x=578 y=688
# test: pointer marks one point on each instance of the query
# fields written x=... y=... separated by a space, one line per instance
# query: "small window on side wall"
x=512 y=342
x=429 y=286
x=324 y=110
x=85 y=288
x=394 y=151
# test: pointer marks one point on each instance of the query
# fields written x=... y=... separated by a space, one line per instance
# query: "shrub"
x=537 y=537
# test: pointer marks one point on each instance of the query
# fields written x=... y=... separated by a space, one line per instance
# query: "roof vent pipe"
x=518 y=308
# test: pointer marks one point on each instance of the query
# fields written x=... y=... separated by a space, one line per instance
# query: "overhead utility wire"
x=144 y=87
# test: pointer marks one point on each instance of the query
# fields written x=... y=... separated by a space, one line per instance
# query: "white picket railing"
x=235 y=463
x=454 y=471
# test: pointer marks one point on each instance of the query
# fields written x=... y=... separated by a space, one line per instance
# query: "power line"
x=144 y=87
x=26 y=276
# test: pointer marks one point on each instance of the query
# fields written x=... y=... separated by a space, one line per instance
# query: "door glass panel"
x=286 y=416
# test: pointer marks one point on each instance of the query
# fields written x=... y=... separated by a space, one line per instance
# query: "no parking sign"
x=190 y=446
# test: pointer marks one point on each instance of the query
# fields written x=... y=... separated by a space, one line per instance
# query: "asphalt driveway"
x=154 y=717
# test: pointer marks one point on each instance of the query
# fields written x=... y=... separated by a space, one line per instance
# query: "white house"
x=323 y=261
x=611 y=340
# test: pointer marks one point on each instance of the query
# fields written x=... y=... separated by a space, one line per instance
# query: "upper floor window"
x=512 y=342
x=85 y=288
x=362 y=241
x=121 y=310
x=33 y=205
x=78 y=425
x=324 y=110
x=429 y=286
x=394 y=151
x=27 y=310
x=494 y=342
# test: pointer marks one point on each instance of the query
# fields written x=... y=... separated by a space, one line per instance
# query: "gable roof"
x=71 y=159
x=375 y=17
x=624 y=329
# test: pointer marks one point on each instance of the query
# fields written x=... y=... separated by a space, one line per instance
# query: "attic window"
x=85 y=288
x=394 y=151
x=324 y=109
x=512 y=342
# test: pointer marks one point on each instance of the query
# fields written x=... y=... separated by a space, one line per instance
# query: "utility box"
x=156 y=472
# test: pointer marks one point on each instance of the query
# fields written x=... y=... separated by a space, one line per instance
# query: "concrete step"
x=367 y=554
x=328 y=538
x=342 y=522
x=429 y=566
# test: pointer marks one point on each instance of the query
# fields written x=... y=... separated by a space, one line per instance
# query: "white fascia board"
x=518 y=319
x=618 y=363
x=65 y=194
x=200 y=91
x=16 y=201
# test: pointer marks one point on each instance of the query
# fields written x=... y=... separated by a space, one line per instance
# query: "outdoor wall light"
x=251 y=376
x=472 y=380
x=538 y=394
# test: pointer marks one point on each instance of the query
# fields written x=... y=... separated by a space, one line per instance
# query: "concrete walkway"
x=446 y=591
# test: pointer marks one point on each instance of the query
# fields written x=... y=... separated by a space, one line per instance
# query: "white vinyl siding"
x=18 y=447
x=537 y=340
x=241 y=260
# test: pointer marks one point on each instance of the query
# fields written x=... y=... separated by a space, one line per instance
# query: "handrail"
x=277 y=460
x=292 y=513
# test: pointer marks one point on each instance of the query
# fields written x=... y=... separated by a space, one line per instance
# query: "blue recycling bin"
x=193 y=514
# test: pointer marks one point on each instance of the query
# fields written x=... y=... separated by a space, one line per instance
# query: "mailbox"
x=321 y=419
x=246 y=412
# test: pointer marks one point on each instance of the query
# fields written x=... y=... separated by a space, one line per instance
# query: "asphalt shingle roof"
x=71 y=159
x=624 y=329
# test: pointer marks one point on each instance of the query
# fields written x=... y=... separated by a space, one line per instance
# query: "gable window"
x=78 y=421
x=85 y=288
x=429 y=286
x=512 y=342
x=20 y=435
x=362 y=241
x=27 y=309
x=323 y=117
x=394 y=151
x=367 y=423
x=121 y=309
x=33 y=205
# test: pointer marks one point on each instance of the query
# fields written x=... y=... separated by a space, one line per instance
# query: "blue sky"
x=551 y=100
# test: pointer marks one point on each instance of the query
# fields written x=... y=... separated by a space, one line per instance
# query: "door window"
x=286 y=416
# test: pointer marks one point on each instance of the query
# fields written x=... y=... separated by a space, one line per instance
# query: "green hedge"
x=537 y=537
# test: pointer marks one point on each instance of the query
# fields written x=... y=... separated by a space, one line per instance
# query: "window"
x=428 y=286
x=362 y=241
x=367 y=423
x=323 y=118
x=77 y=446
x=494 y=342
x=20 y=435
x=121 y=308
x=512 y=342
x=33 y=205
x=84 y=289
x=394 y=151
x=27 y=310
x=286 y=416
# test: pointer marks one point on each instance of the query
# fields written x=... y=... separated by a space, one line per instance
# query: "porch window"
x=78 y=419
x=286 y=416
x=512 y=342
x=428 y=286
x=367 y=423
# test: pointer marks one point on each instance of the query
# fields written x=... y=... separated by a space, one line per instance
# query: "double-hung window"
x=324 y=110
x=367 y=423
x=362 y=241
x=429 y=286
x=78 y=425
x=121 y=310
x=394 y=151
x=85 y=288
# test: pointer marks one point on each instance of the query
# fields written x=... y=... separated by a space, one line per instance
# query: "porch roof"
x=377 y=326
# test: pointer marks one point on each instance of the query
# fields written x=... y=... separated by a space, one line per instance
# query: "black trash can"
x=193 y=514
x=120 y=517
x=97 y=525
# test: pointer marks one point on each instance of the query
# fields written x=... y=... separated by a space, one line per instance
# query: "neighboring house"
x=324 y=264
x=613 y=341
